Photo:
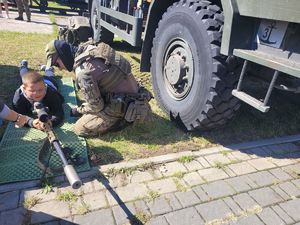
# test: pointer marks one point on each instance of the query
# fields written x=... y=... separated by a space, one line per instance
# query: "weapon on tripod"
x=69 y=170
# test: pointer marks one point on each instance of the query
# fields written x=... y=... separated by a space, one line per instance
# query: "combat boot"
x=19 y=18
x=23 y=67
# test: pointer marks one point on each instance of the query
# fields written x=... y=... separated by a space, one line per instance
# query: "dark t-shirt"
x=52 y=100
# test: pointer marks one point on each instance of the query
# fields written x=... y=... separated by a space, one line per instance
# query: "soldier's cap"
x=60 y=49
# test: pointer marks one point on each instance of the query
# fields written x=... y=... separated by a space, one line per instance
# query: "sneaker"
x=28 y=20
x=24 y=64
x=19 y=18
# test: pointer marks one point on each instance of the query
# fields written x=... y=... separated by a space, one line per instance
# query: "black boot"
x=19 y=18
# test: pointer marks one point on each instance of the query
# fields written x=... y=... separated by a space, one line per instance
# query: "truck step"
x=250 y=100
x=272 y=59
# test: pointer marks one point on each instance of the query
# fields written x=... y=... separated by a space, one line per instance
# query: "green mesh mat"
x=19 y=148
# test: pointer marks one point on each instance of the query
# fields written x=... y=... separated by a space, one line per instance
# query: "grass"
x=67 y=196
x=158 y=135
x=186 y=159
x=30 y=202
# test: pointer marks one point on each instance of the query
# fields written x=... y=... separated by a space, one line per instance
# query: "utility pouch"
x=137 y=111
x=116 y=107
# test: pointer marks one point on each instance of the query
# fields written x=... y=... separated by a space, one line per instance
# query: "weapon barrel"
x=69 y=170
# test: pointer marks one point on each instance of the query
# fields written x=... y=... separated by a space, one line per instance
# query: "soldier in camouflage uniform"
x=113 y=98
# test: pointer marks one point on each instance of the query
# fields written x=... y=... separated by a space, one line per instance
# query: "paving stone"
x=240 y=184
x=169 y=169
x=55 y=222
x=18 y=186
x=249 y=220
x=290 y=147
x=263 y=178
x=173 y=201
x=245 y=201
x=265 y=196
x=290 y=189
x=282 y=161
x=203 y=162
x=212 y=174
x=193 y=179
x=239 y=155
x=186 y=216
x=119 y=180
x=37 y=193
x=156 y=174
x=141 y=207
x=193 y=165
x=124 y=213
x=95 y=200
x=139 y=177
x=188 y=198
x=213 y=210
x=13 y=217
x=98 y=185
x=218 y=189
x=66 y=221
x=201 y=194
x=241 y=168
x=292 y=208
x=280 y=192
x=232 y=205
x=87 y=186
x=160 y=220
x=261 y=164
x=229 y=172
x=48 y=211
x=159 y=206
x=282 y=214
x=162 y=186
x=215 y=159
x=209 y=151
x=93 y=218
x=127 y=193
x=296 y=182
x=269 y=217
x=253 y=153
x=293 y=170
x=9 y=200
x=280 y=174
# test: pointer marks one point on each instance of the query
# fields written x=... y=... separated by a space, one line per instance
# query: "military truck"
x=194 y=49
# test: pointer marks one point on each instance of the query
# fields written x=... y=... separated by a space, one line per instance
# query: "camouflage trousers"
x=21 y=4
x=107 y=120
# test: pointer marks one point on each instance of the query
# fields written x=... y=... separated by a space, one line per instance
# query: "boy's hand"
x=40 y=125
x=21 y=120
x=37 y=124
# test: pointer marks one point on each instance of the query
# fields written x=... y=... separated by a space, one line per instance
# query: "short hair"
x=32 y=77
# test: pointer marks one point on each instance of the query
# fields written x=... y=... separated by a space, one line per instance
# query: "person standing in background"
x=21 y=4
x=6 y=9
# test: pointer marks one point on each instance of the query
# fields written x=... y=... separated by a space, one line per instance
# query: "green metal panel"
x=285 y=10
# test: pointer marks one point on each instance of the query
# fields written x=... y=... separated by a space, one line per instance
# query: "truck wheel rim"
x=178 y=69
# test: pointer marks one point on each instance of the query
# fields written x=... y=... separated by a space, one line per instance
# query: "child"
x=38 y=88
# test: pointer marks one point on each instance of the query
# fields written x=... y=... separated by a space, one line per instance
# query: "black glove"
x=75 y=113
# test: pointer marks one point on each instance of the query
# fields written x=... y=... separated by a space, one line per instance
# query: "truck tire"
x=99 y=33
x=192 y=81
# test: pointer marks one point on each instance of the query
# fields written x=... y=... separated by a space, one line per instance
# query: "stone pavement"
x=252 y=183
x=40 y=23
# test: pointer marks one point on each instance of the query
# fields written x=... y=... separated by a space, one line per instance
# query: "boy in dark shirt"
x=38 y=88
